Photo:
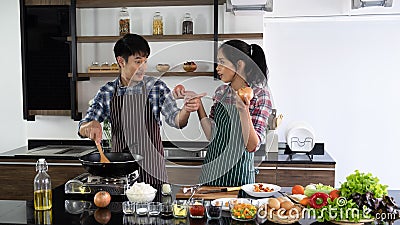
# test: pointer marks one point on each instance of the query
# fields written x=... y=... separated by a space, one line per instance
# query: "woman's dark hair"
x=235 y=50
x=131 y=44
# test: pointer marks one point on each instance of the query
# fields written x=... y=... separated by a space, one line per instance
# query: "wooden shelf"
x=154 y=74
x=47 y=2
x=50 y=112
x=166 y=38
x=141 y=3
x=123 y=3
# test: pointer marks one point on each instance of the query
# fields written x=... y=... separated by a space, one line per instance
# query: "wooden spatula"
x=103 y=158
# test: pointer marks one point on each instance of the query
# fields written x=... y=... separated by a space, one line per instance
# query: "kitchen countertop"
x=22 y=212
x=260 y=156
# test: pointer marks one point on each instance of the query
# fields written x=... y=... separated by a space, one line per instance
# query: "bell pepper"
x=319 y=200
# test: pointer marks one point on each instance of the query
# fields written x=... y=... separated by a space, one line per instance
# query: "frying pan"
x=122 y=164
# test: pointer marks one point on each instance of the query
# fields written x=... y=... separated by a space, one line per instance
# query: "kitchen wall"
x=337 y=74
x=340 y=74
x=13 y=130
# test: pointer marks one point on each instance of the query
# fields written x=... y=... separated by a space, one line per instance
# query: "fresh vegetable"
x=102 y=199
x=305 y=201
x=326 y=214
x=179 y=88
x=102 y=215
x=246 y=92
x=362 y=183
x=385 y=205
x=319 y=200
x=334 y=194
x=314 y=188
x=244 y=211
x=298 y=189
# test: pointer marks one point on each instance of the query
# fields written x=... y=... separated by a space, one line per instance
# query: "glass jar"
x=187 y=25
x=158 y=24
x=42 y=195
x=124 y=21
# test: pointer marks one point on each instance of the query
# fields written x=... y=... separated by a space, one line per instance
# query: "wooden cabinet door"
x=184 y=173
x=17 y=179
x=267 y=173
x=291 y=174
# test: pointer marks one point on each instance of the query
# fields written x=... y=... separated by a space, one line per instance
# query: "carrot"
x=305 y=201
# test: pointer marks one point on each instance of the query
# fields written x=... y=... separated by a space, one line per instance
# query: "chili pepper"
x=319 y=200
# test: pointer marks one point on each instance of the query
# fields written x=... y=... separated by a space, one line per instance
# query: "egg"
x=287 y=205
x=274 y=203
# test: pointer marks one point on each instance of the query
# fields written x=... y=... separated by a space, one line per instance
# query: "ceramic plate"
x=249 y=189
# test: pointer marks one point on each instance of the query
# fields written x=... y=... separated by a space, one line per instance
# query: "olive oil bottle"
x=42 y=196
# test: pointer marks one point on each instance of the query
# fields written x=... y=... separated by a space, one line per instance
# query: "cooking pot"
x=121 y=164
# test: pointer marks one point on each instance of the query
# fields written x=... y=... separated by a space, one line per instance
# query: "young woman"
x=236 y=127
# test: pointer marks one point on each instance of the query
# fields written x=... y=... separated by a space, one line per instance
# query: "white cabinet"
x=317 y=8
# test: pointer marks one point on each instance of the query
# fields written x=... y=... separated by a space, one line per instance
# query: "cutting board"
x=210 y=196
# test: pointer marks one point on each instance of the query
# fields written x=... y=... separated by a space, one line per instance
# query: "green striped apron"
x=227 y=162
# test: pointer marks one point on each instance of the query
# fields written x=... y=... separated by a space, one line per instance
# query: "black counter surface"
x=22 y=212
x=260 y=156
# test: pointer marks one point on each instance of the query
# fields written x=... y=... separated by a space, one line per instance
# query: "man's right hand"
x=92 y=130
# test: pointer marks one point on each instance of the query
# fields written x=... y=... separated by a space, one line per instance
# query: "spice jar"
x=158 y=24
x=187 y=25
x=124 y=21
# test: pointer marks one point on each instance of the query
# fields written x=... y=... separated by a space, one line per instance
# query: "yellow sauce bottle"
x=42 y=195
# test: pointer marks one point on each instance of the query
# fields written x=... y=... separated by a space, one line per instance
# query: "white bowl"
x=141 y=198
x=249 y=189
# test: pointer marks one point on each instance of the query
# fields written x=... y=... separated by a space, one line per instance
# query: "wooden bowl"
x=189 y=68
x=162 y=67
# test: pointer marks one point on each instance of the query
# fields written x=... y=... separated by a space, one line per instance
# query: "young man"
x=133 y=103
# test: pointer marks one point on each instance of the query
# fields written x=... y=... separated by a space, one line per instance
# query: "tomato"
x=102 y=216
x=334 y=194
x=298 y=189
x=179 y=88
x=102 y=199
x=246 y=92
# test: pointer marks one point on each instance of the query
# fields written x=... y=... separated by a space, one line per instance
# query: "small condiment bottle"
x=187 y=24
x=158 y=27
x=124 y=21
x=42 y=195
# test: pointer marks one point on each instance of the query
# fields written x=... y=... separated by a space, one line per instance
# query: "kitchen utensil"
x=278 y=120
x=221 y=190
x=300 y=137
x=121 y=164
x=103 y=158
x=289 y=197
